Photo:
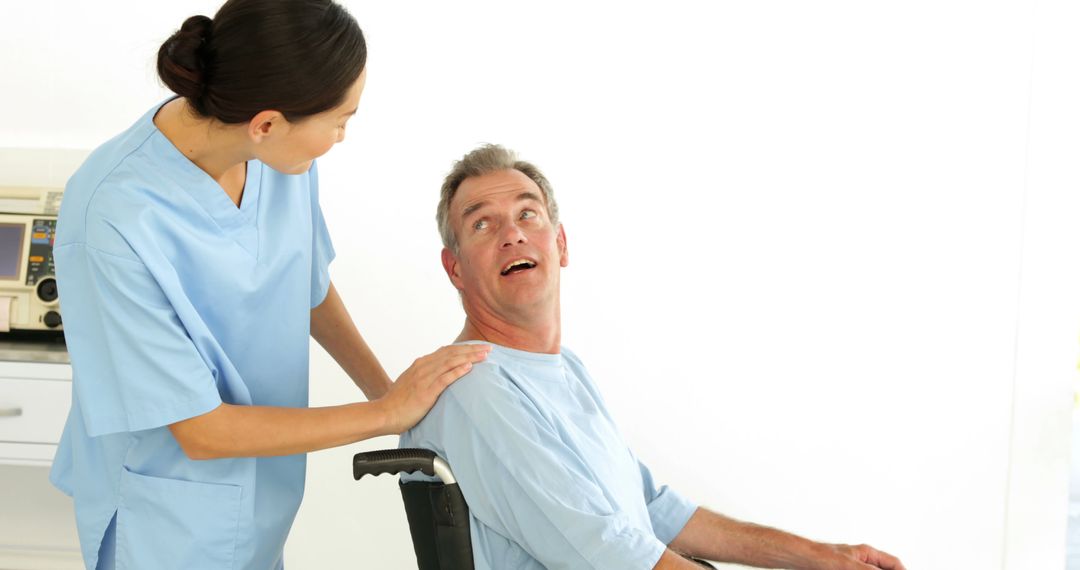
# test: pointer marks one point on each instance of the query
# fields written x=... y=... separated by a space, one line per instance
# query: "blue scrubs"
x=549 y=480
x=174 y=301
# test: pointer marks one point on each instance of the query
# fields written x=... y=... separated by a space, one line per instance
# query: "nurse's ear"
x=264 y=124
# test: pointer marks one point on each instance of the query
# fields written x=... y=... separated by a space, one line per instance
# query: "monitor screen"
x=11 y=248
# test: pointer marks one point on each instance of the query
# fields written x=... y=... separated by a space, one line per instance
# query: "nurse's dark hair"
x=298 y=57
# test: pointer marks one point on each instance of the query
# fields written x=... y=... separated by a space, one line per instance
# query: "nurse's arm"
x=336 y=332
x=260 y=431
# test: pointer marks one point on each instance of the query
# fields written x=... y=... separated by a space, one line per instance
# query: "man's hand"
x=863 y=557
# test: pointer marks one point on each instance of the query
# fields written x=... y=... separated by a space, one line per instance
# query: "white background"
x=823 y=255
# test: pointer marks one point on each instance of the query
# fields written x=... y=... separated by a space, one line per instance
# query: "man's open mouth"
x=517 y=265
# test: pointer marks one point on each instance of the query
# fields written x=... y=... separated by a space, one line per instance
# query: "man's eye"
x=528 y=214
x=480 y=225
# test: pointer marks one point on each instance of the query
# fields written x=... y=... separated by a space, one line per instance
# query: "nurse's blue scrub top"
x=174 y=301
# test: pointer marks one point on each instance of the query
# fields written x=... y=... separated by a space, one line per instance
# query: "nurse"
x=192 y=262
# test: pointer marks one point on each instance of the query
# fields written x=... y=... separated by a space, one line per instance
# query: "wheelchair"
x=437 y=513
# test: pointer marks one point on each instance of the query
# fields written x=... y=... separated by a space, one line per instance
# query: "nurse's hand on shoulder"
x=417 y=389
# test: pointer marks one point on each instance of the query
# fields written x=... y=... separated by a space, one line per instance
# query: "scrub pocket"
x=169 y=523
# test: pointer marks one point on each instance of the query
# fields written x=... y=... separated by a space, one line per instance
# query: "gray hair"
x=485 y=160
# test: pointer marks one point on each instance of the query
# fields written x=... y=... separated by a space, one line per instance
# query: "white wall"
x=1049 y=304
x=796 y=235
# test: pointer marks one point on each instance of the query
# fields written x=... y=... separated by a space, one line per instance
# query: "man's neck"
x=540 y=335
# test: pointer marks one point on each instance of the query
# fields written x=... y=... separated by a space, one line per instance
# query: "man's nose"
x=513 y=235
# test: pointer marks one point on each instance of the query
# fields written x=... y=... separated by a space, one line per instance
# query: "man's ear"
x=264 y=123
x=450 y=264
x=564 y=254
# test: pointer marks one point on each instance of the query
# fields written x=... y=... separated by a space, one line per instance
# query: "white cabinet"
x=37 y=522
x=34 y=401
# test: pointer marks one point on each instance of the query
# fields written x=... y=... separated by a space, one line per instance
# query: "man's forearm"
x=716 y=537
x=335 y=331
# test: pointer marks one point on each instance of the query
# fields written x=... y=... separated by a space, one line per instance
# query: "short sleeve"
x=322 y=249
x=521 y=480
x=135 y=366
x=668 y=510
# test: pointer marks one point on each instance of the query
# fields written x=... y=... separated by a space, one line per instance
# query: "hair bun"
x=198 y=26
x=297 y=57
x=181 y=59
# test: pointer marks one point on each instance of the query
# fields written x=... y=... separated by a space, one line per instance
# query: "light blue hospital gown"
x=549 y=481
x=174 y=301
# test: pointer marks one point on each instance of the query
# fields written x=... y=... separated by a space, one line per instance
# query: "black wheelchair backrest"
x=437 y=512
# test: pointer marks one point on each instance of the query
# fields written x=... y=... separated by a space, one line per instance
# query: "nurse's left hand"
x=417 y=389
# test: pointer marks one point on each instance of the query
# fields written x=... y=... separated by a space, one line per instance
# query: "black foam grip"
x=394 y=461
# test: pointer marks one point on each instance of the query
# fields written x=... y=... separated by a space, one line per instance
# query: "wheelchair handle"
x=394 y=461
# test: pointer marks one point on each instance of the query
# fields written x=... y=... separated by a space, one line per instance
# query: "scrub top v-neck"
x=236 y=221
x=176 y=300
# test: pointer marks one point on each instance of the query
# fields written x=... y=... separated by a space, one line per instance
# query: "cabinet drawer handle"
x=10 y=412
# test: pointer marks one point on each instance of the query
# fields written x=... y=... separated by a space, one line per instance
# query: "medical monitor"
x=11 y=250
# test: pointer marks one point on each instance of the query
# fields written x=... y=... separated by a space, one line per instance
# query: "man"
x=549 y=480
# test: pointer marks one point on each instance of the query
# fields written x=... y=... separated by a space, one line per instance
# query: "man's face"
x=509 y=252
